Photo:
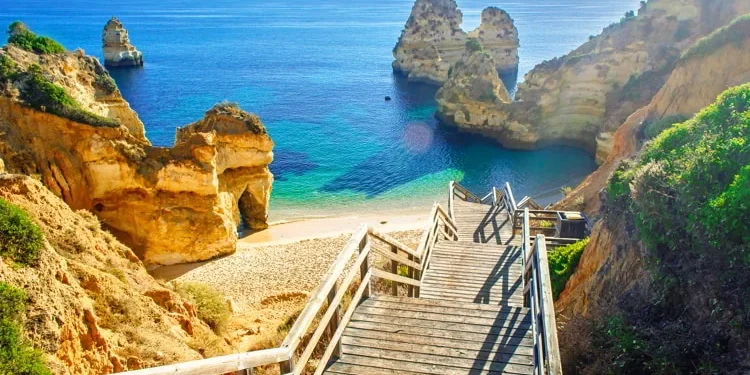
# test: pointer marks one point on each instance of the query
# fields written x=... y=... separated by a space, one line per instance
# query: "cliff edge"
x=64 y=121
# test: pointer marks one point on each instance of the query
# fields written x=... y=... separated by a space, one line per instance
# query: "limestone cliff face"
x=613 y=257
x=582 y=98
x=433 y=40
x=118 y=52
x=170 y=205
x=695 y=82
x=92 y=307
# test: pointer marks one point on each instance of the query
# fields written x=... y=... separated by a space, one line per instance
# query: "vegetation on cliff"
x=22 y=37
x=17 y=356
x=735 y=32
x=40 y=93
x=686 y=199
x=20 y=238
x=20 y=242
x=562 y=264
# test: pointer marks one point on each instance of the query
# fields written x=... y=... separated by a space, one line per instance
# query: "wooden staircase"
x=475 y=298
x=401 y=335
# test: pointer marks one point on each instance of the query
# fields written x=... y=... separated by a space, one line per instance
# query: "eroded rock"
x=118 y=52
x=170 y=205
x=433 y=40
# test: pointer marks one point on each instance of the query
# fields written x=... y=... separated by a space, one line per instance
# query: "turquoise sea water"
x=317 y=72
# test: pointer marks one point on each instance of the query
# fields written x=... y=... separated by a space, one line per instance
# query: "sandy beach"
x=269 y=278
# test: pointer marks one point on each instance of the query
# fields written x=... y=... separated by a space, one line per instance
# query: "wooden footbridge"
x=473 y=298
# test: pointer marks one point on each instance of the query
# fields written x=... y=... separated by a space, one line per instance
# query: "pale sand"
x=268 y=282
x=294 y=231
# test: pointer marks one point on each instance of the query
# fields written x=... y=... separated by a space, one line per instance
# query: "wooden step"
x=485 y=298
x=458 y=305
x=520 y=324
x=522 y=337
x=476 y=310
x=507 y=354
x=365 y=311
x=428 y=363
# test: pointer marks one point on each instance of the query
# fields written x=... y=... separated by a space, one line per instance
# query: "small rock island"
x=433 y=40
x=118 y=52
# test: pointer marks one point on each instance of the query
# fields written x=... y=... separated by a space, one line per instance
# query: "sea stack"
x=474 y=96
x=433 y=40
x=118 y=52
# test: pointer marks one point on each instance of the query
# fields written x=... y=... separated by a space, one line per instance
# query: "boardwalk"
x=473 y=298
x=469 y=318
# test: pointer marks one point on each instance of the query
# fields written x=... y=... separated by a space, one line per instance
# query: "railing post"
x=411 y=276
x=334 y=323
x=394 y=270
x=364 y=267
x=287 y=367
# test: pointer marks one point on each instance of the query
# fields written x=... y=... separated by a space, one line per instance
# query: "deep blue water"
x=317 y=72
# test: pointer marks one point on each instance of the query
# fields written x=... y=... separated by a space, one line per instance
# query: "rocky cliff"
x=712 y=65
x=91 y=306
x=433 y=40
x=472 y=91
x=581 y=98
x=613 y=271
x=170 y=205
x=118 y=52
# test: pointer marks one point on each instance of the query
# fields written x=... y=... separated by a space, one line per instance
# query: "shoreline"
x=307 y=228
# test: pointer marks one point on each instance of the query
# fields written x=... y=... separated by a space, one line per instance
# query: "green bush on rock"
x=8 y=68
x=22 y=37
x=473 y=45
x=16 y=355
x=20 y=238
x=210 y=305
x=687 y=198
x=563 y=262
x=652 y=128
x=42 y=94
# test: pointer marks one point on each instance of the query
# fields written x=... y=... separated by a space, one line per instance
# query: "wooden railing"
x=500 y=199
x=323 y=314
x=538 y=297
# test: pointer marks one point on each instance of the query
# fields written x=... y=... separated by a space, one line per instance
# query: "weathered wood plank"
x=220 y=365
x=418 y=301
x=493 y=335
x=440 y=308
x=486 y=364
x=320 y=295
x=500 y=344
x=513 y=323
x=331 y=314
x=395 y=278
x=522 y=359
x=344 y=322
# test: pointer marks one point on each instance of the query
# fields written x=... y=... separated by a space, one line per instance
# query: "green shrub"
x=210 y=305
x=8 y=68
x=16 y=355
x=735 y=32
x=42 y=94
x=688 y=200
x=563 y=262
x=22 y=37
x=473 y=45
x=106 y=83
x=652 y=128
x=20 y=238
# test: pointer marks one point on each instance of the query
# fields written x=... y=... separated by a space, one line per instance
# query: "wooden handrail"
x=220 y=365
x=538 y=297
x=319 y=296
